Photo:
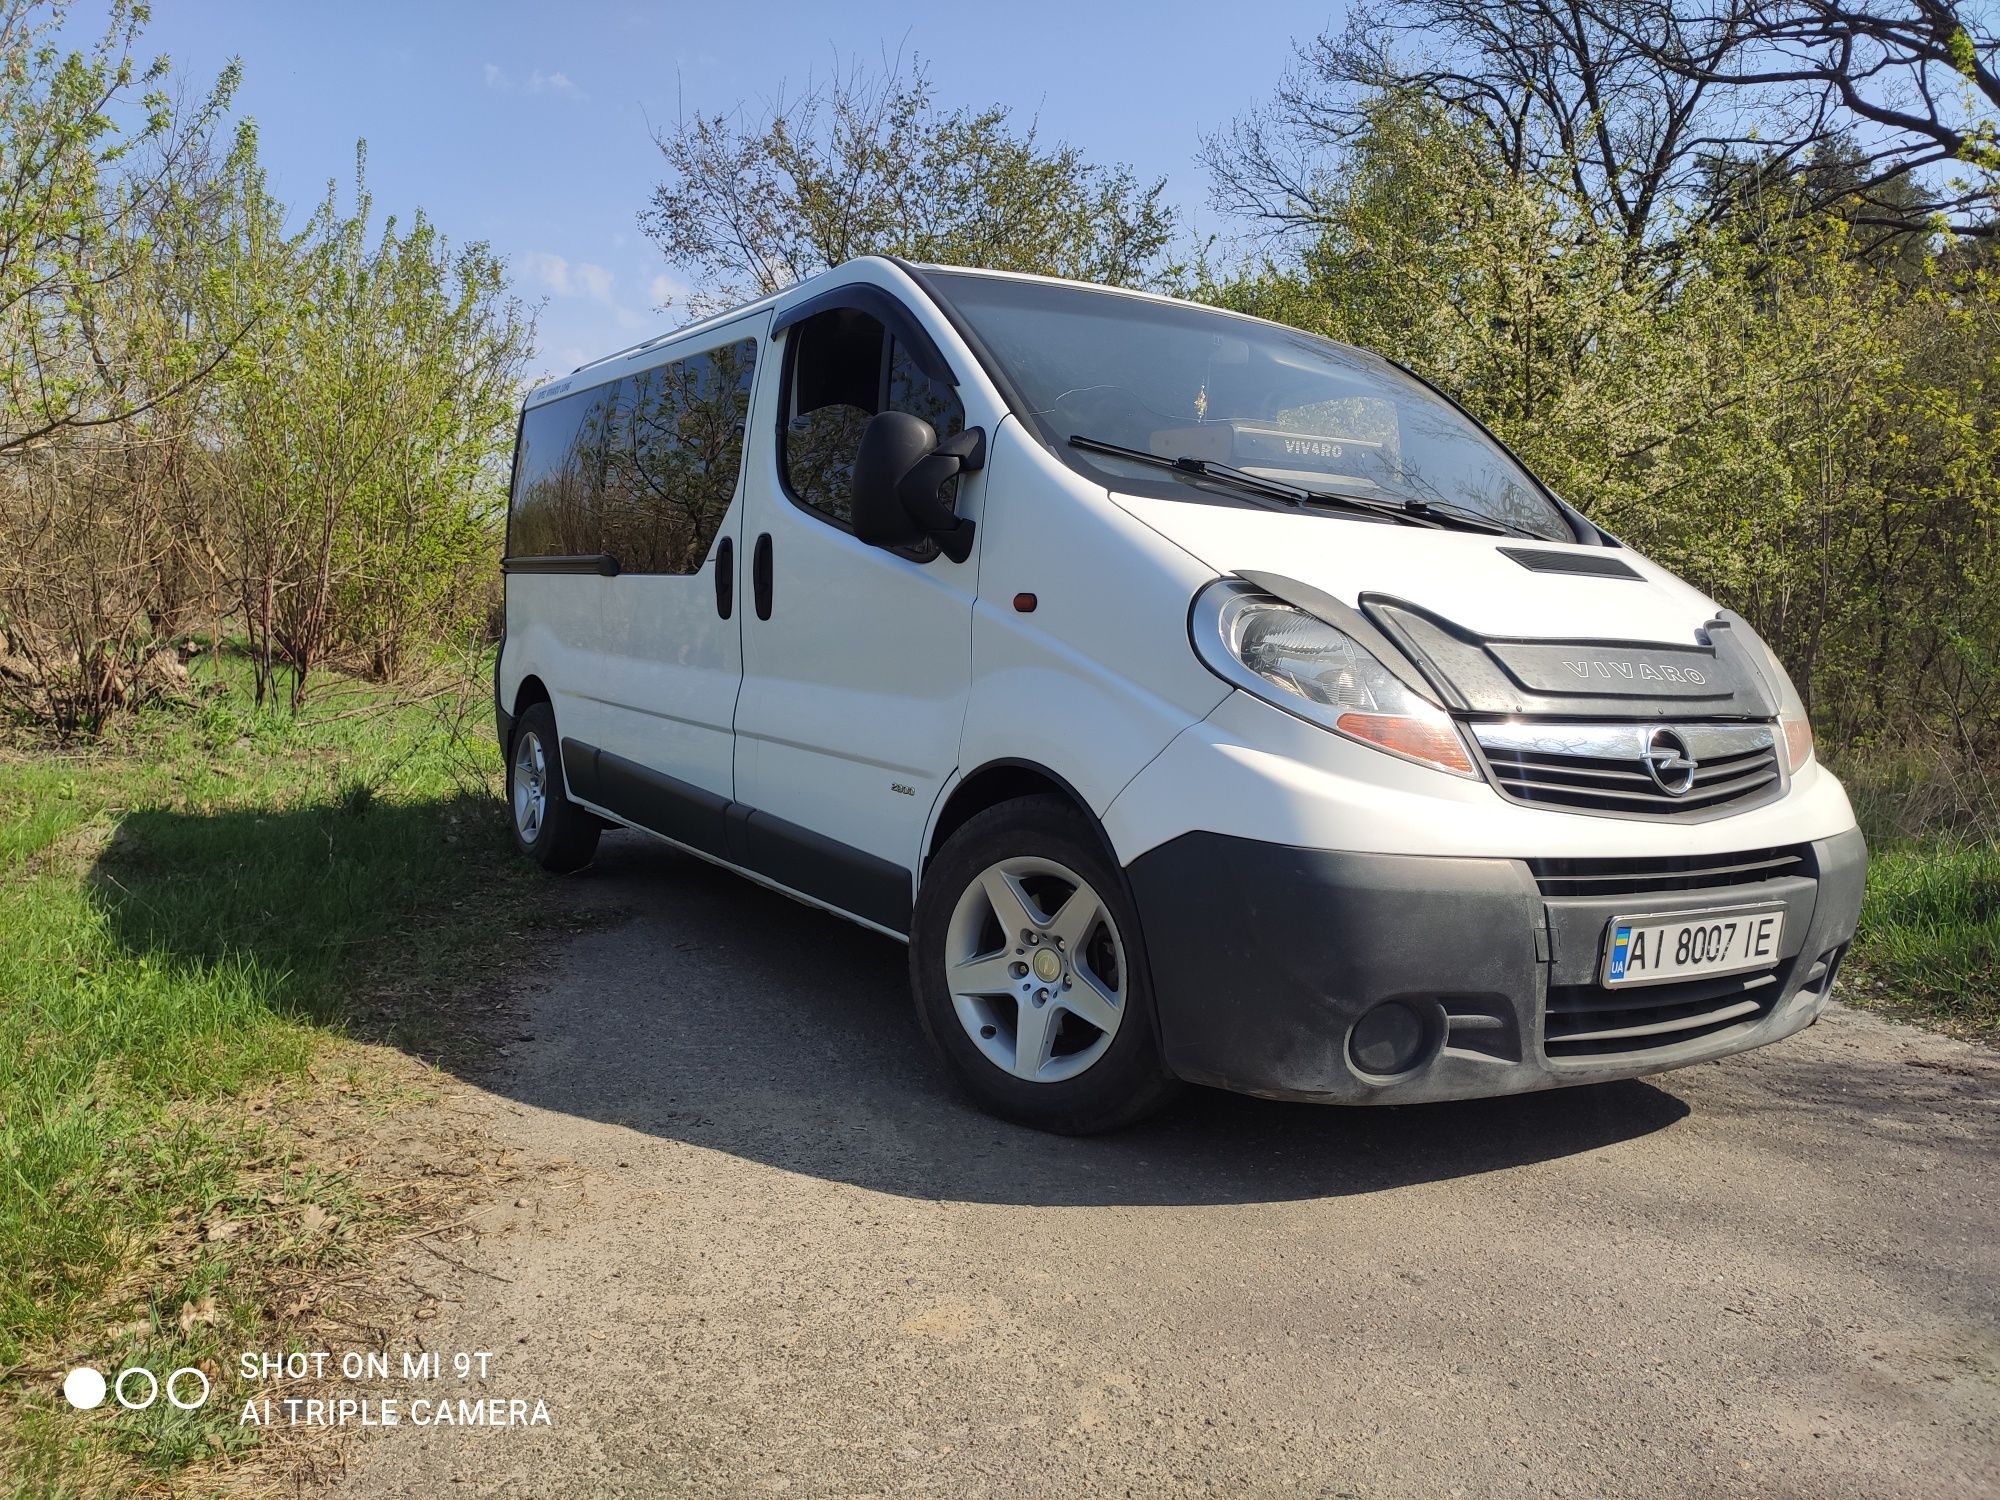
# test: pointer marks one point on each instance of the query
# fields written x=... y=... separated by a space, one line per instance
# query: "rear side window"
x=642 y=468
x=845 y=368
x=558 y=473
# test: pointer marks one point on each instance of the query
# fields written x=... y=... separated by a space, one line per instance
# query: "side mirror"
x=899 y=472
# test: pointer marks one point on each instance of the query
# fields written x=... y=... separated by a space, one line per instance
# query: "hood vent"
x=1589 y=564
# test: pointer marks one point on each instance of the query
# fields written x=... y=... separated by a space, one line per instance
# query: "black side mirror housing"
x=899 y=472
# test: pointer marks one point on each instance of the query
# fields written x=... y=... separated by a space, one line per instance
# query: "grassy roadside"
x=192 y=917
x=1929 y=944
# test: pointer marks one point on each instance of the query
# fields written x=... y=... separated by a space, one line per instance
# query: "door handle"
x=760 y=575
x=725 y=577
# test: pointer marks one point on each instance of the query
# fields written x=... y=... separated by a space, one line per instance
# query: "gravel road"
x=762 y=1248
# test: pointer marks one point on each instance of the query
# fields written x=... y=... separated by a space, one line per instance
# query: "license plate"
x=1685 y=944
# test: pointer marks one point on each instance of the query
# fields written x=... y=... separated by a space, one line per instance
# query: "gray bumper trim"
x=1264 y=955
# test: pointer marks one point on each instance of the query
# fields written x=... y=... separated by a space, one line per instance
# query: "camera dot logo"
x=136 y=1388
x=83 y=1388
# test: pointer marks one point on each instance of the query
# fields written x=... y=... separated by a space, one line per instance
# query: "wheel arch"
x=531 y=691
x=1006 y=780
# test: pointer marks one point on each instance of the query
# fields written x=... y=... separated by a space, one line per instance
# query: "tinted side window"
x=559 y=477
x=642 y=468
x=844 y=369
x=681 y=429
x=836 y=386
x=911 y=390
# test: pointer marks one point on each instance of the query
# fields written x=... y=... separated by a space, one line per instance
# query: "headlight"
x=1793 y=725
x=1298 y=662
x=1792 y=720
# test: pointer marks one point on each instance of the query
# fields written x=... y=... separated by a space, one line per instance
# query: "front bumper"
x=1263 y=957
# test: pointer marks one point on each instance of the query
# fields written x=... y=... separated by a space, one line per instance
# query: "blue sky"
x=528 y=125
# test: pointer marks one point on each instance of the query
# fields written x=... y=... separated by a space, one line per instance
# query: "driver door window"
x=844 y=368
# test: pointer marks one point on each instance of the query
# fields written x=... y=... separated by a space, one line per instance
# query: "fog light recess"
x=1392 y=1039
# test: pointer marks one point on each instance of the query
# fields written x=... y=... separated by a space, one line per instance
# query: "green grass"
x=187 y=915
x=1929 y=942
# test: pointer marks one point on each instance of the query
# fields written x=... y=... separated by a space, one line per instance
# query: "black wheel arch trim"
x=1017 y=763
x=503 y=719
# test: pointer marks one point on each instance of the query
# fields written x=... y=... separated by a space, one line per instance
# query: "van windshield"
x=1179 y=381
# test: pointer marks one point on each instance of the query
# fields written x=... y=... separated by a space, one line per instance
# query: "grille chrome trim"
x=1620 y=741
x=1602 y=768
x=1672 y=872
x=1586 y=1022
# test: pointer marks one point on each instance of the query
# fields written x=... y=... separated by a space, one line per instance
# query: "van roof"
x=555 y=384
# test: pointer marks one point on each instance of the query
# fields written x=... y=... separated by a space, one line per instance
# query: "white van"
x=1199 y=699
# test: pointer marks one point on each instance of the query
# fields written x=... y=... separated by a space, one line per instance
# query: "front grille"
x=1672 y=872
x=1588 y=1020
x=1602 y=768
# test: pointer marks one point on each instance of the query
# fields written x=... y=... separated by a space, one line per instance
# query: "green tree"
x=368 y=420
x=109 y=330
x=86 y=207
x=873 y=165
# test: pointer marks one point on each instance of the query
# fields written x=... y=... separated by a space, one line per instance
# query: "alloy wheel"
x=531 y=785
x=1036 y=969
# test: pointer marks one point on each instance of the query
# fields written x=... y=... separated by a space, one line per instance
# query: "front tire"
x=549 y=828
x=1029 y=976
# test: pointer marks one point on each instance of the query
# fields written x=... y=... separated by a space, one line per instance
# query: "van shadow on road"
x=708 y=1010
x=730 y=1017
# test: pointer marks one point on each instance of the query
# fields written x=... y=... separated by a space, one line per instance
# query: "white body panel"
x=672 y=664
x=1461 y=575
x=1079 y=685
x=555 y=632
x=854 y=691
x=669 y=675
x=1255 y=772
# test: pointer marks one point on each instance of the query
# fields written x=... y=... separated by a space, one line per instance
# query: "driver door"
x=856 y=659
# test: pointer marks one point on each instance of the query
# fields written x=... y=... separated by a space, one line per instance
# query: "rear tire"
x=1029 y=976
x=549 y=828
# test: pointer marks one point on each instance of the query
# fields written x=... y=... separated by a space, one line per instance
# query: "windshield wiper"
x=1290 y=494
x=1439 y=513
x=1472 y=520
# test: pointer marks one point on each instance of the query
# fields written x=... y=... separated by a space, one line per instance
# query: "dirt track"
x=765 y=1249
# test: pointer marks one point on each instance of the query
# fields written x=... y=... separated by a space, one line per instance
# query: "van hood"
x=1496 y=625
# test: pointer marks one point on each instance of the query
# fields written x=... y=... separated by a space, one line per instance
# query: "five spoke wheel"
x=1036 y=969
x=531 y=785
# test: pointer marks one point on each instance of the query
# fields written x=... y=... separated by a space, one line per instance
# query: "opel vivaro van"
x=1199 y=699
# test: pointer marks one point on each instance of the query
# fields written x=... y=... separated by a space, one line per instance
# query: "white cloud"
x=553 y=83
x=582 y=279
x=594 y=281
x=536 y=82
x=548 y=270
x=667 y=290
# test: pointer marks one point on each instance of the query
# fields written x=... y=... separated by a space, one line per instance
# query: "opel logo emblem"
x=1668 y=762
